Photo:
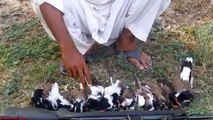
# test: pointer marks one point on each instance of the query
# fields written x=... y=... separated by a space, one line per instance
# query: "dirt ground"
x=173 y=26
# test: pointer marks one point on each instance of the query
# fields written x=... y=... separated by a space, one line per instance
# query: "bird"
x=168 y=90
x=158 y=93
x=49 y=98
x=128 y=99
x=94 y=93
x=145 y=98
x=112 y=95
x=51 y=93
x=37 y=100
x=186 y=71
x=76 y=97
x=183 y=84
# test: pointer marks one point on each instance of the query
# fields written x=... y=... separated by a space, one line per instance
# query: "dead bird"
x=76 y=97
x=158 y=93
x=52 y=95
x=46 y=97
x=166 y=87
x=112 y=95
x=55 y=98
x=38 y=102
x=183 y=84
x=49 y=97
x=95 y=93
x=145 y=98
x=168 y=90
x=128 y=100
x=186 y=71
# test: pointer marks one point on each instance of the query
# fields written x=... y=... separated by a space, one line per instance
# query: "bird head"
x=78 y=106
x=93 y=102
x=181 y=99
x=184 y=98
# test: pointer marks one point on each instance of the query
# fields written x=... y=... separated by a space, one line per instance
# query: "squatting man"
x=77 y=24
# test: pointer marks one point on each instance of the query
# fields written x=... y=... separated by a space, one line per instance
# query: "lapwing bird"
x=49 y=98
x=168 y=90
x=55 y=98
x=112 y=95
x=128 y=99
x=52 y=95
x=145 y=98
x=157 y=92
x=38 y=102
x=95 y=93
x=183 y=84
x=76 y=97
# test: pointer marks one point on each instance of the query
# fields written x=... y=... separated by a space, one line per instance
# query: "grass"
x=204 y=45
x=29 y=59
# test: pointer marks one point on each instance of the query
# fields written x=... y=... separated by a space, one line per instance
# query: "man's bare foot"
x=126 y=42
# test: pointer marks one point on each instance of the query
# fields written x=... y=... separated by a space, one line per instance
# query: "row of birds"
x=148 y=95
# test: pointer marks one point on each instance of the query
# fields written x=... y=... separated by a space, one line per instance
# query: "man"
x=77 y=24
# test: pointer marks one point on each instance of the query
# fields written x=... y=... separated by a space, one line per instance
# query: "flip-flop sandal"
x=62 y=68
x=129 y=54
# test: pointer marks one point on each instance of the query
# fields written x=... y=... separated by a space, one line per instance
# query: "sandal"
x=129 y=54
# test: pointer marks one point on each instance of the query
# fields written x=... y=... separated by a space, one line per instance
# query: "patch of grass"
x=12 y=85
x=201 y=106
x=204 y=44
x=198 y=39
x=18 y=31
x=123 y=63
x=37 y=48
x=52 y=68
x=157 y=32
x=27 y=53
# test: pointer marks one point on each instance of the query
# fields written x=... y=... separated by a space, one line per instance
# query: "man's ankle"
x=126 y=41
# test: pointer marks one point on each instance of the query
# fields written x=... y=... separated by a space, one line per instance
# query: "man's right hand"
x=75 y=65
x=72 y=59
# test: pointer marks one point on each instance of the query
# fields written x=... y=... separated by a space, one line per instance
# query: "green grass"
x=29 y=59
x=204 y=46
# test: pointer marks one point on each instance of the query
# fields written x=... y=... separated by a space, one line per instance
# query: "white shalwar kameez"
x=102 y=21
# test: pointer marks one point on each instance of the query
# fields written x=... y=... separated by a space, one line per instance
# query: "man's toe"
x=146 y=60
x=136 y=63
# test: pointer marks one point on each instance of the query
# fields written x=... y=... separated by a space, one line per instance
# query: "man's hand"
x=72 y=59
x=76 y=66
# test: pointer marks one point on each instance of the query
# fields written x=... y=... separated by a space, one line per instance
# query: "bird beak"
x=83 y=87
x=178 y=104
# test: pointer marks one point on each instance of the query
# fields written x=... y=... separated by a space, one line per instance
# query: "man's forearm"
x=55 y=21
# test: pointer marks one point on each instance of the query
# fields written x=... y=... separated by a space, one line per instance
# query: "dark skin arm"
x=72 y=59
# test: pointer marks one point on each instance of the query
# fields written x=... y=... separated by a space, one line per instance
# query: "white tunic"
x=102 y=21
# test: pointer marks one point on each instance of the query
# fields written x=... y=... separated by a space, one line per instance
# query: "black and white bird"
x=49 y=98
x=95 y=93
x=158 y=93
x=145 y=98
x=38 y=102
x=76 y=97
x=183 y=84
x=112 y=95
x=129 y=99
x=186 y=71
